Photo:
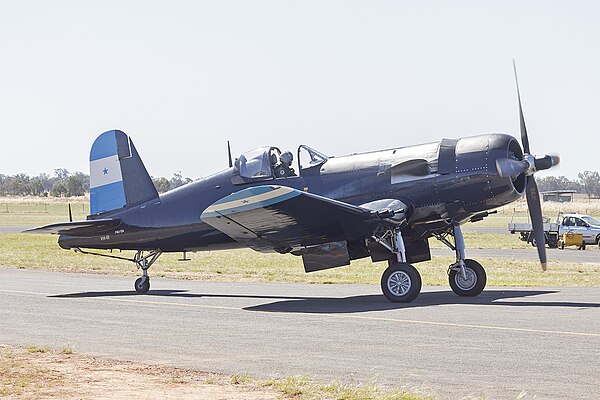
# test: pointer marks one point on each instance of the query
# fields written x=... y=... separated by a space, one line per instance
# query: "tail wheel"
x=473 y=284
x=401 y=282
x=142 y=285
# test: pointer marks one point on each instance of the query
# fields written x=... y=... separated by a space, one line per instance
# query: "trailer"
x=525 y=231
x=554 y=232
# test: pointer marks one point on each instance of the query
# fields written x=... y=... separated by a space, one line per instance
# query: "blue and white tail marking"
x=107 y=191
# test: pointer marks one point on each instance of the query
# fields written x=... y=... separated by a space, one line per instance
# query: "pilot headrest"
x=286 y=157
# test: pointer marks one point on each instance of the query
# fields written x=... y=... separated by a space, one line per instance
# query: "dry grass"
x=36 y=211
x=26 y=374
x=305 y=388
x=42 y=252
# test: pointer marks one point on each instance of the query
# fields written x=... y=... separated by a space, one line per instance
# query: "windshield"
x=591 y=221
x=309 y=157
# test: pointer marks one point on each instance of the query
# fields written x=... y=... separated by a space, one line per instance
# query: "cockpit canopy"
x=268 y=162
x=256 y=163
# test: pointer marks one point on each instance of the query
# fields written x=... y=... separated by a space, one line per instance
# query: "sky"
x=183 y=77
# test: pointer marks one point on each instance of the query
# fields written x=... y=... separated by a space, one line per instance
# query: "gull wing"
x=278 y=218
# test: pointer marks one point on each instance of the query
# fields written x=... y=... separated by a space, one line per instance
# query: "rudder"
x=118 y=177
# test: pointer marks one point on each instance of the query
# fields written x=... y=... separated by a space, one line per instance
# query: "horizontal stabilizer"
x=79 y=228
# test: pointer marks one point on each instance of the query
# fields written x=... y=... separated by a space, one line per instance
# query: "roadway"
x=569 y=254
x=541 y=343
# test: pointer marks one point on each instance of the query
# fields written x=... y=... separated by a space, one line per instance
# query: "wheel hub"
x=468 y=283
x=399 y=283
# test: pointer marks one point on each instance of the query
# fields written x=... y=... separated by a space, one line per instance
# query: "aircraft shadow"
x=365 y=303
x=357 y=304
x=169 y=293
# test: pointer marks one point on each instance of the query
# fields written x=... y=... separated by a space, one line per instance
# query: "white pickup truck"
x=588 y=226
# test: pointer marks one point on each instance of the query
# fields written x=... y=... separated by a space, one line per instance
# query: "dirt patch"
x=44 y=374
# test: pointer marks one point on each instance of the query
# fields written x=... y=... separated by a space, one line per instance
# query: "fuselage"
x=450 y=180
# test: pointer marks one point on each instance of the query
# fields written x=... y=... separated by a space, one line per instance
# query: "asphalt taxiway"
x=541 y=343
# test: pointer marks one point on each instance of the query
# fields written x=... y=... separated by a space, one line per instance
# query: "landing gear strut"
x=400 y=282
x=466 y=277
x=144 y=261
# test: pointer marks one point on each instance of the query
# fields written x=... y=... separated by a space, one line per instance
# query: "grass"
x=307 y=389
x=36 y=211
x=304 y=388
x=42 y=252
x=38 y=349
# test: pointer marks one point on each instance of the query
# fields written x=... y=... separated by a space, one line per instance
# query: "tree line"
x=587 y=182
x=68 y=184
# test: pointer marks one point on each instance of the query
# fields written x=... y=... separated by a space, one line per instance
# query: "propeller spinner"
x=529 y=164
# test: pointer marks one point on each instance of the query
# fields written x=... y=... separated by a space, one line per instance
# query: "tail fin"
x=118 y=177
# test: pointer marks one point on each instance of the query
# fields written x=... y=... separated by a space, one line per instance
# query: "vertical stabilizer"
x=118 y=177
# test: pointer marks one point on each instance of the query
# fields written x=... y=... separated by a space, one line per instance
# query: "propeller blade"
x=524 y=138
x=510 y=166
x=535 y=211
x=546 y=162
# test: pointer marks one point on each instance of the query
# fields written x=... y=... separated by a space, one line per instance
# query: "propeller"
x=529 y=164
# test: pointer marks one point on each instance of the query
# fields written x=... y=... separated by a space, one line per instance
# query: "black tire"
x=534 y=242
x=561 y=245
x=475 y=283
x=400 y=282
x=582 y=247
x=142 y=285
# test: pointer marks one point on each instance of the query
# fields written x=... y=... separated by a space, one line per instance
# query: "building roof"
x=560 y=191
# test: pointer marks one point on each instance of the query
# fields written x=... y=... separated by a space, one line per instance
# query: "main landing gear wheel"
x=475 y=282
x=401 y=282
x=142 y=285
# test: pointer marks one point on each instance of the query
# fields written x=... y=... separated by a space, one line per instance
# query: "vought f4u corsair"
x=384 y=205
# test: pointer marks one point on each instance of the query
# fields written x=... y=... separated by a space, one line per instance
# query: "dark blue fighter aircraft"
x=384 y=205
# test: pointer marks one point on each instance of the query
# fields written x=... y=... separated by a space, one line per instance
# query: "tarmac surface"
x=8 y=229
x=507 y=343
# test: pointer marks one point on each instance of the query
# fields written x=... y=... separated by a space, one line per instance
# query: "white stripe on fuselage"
x=246 y=201
x=105 y=171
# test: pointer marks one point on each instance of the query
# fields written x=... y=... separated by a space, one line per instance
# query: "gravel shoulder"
x=40 y=373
